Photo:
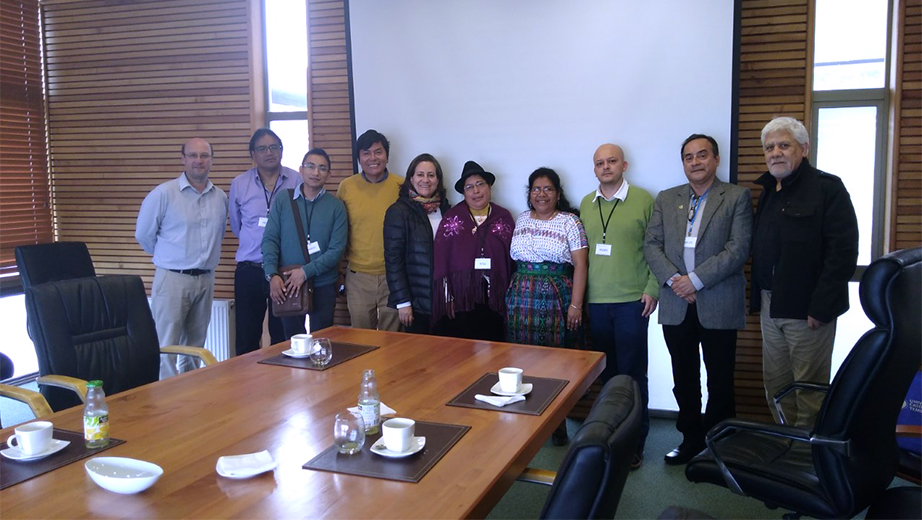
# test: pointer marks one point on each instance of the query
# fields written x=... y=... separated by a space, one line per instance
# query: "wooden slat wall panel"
x=906 y=226
x=328 y=109
x=128 y=84
x=773 y=68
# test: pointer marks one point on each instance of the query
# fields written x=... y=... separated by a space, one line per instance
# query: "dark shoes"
x=637 y=460
x=684 y=453
x=560 y=437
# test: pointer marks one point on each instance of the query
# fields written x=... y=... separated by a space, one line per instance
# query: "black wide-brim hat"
x=472 y=168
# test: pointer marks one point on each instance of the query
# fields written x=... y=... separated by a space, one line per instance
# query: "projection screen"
x=516 y=85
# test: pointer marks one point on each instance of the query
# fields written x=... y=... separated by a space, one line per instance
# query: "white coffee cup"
x=510 y=379
x=301 y=343
x=398 y=434
x=32 y=438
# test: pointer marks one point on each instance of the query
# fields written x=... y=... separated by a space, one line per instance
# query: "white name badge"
x=263 y=221
x=482 y=263
x=690 y=242
x=313 y=247
x=603 y=249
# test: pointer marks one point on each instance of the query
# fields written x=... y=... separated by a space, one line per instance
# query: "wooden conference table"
x=183 y=424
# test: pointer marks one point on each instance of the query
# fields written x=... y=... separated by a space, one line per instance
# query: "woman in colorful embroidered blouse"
x=545 y=298
x=472 y=262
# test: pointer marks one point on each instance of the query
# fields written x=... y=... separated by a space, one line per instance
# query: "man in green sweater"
x=326 y=228
x=622 y=291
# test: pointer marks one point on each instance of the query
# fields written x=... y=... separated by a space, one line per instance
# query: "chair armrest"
x=777 y=430
x=206 y=356
x=65 y=382
x=781 y=394
x=537 y=476
x=35 y=400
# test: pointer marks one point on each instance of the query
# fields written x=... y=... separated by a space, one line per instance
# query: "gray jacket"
x=723 y=245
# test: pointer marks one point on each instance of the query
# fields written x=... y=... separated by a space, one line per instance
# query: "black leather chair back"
x=592 y=476
x=6 y=367
x=93 y=328
x=865 y=396
x=51 y=262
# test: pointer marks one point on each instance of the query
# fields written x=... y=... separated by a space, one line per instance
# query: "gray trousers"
x=181 y=305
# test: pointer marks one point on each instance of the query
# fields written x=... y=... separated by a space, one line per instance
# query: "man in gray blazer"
x=696 y=243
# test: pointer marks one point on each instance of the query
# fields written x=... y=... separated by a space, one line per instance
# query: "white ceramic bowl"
x=123 y=475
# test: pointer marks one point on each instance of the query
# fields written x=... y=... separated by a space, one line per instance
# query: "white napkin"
x=385 y=410
x=245 y=465
x=499 y=401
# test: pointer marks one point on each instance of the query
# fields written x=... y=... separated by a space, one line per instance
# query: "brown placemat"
x=440 y=438
x=342 y=352
x=544 y=390
x=13 y=472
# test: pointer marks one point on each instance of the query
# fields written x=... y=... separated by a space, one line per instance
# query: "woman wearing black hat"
x=472 y=263
x=409 y=228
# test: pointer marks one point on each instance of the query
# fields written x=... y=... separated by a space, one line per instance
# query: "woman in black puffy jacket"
x=409 y=227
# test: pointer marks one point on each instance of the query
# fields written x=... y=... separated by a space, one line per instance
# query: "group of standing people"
x=474 y=271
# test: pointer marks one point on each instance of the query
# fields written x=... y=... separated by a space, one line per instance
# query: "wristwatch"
x=269 y=276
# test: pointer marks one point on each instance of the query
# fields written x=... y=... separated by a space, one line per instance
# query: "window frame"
x=269 y=115
x=863 y=97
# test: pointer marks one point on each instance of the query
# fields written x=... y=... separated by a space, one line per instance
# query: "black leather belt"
x=192 y=272
x=251 y=264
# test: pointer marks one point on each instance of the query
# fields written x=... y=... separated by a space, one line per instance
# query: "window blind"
x=25 y=212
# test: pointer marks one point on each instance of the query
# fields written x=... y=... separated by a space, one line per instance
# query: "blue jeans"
x=620 y=331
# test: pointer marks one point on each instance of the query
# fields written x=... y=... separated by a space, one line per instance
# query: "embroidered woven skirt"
x=537 y=300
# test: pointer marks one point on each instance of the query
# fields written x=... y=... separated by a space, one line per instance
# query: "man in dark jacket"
x=805 y=249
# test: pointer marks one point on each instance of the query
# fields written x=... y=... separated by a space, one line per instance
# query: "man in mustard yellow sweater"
x=367 y=196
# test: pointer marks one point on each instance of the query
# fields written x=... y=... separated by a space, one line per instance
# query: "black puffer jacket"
x=408 y=254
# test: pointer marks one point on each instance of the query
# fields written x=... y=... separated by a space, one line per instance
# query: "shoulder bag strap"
x=297 y=214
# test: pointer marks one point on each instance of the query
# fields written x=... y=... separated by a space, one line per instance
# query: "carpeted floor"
x=649 y=490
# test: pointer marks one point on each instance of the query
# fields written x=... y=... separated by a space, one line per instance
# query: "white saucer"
x=292 y=353
x=17 y=454
x=525 y=389
x=245 y=466
x=417 y=444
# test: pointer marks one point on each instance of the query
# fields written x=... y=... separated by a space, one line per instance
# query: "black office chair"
x=52 y=262
x=593 y=472
x=850 y=457
x=95 y=328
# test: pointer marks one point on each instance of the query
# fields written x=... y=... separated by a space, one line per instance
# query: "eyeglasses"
x=546 y=189
x=197 y=156
x=270 y=148
x=311 y=166
x=478 y=184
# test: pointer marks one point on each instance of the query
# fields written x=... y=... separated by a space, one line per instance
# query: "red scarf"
x=429 y=204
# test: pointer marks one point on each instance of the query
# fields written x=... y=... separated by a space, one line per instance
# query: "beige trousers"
x=366 y=295
x=791 y=351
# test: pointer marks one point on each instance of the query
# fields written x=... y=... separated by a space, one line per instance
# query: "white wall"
x=520 y=84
